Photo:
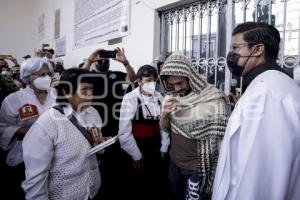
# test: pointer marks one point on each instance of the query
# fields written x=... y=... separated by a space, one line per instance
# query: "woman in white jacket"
x=56 y=147
x=19 y=111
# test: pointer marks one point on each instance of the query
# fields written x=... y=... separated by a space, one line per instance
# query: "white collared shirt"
x=260 y=154
x=83 y=116
x=127 y=113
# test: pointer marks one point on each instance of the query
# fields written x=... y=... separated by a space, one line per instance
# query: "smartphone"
x=107 y=54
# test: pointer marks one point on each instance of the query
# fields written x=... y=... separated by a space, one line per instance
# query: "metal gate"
x=202 y=31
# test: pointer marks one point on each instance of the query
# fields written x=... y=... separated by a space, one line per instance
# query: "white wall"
x=17 y=28
x=45 y=7
x=141 y=45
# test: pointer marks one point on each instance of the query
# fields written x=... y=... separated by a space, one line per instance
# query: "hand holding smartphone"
x=107 y=54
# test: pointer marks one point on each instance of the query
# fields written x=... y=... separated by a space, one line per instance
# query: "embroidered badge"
x=28 y=112
x=112 y=76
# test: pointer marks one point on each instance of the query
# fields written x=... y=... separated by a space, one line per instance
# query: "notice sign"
x=97 y=21
x=60 y=46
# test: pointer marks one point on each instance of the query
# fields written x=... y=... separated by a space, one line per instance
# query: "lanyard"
x=150 y=114
x=148 y=110
x=75 y=122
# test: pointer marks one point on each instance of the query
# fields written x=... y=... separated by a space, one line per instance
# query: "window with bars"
x=285 y=16
x=199 y=31
x=195 y=30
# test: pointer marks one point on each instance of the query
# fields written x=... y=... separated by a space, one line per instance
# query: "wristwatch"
x=126 y=63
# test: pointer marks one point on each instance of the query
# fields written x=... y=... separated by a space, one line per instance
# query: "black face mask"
x=232 y=63
x=103 y=65
x=16 y=76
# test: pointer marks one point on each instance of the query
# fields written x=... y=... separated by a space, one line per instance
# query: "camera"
x=107 y=54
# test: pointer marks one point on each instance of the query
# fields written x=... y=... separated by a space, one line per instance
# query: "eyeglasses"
x=238 y=45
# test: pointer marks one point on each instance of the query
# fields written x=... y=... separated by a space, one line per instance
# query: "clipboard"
x=103 y=145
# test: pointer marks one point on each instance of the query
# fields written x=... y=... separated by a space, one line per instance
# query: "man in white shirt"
x=55 y=148
x=260 y=155
x=141 y=137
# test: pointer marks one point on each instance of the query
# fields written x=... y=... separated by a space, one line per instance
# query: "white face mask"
x=42 y=83
x=149 y=87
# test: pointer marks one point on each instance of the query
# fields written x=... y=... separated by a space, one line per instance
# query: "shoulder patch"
x=28 y=112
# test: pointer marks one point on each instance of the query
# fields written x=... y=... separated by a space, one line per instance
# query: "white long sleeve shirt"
x=128 y=110
x=55 y=157
x=11 y=121
x=260 y=154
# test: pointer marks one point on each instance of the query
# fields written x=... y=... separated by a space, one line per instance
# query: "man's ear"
x=259 y=50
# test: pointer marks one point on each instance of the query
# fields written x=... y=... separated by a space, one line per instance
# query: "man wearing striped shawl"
x=195 y=114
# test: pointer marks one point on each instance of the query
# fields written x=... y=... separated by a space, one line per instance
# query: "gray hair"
x=32 y=65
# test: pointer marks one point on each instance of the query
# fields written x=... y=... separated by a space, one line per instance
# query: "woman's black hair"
x=146 y=71
x=69 y=81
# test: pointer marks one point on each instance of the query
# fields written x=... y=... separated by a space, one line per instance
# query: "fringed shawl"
x=201 y=115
